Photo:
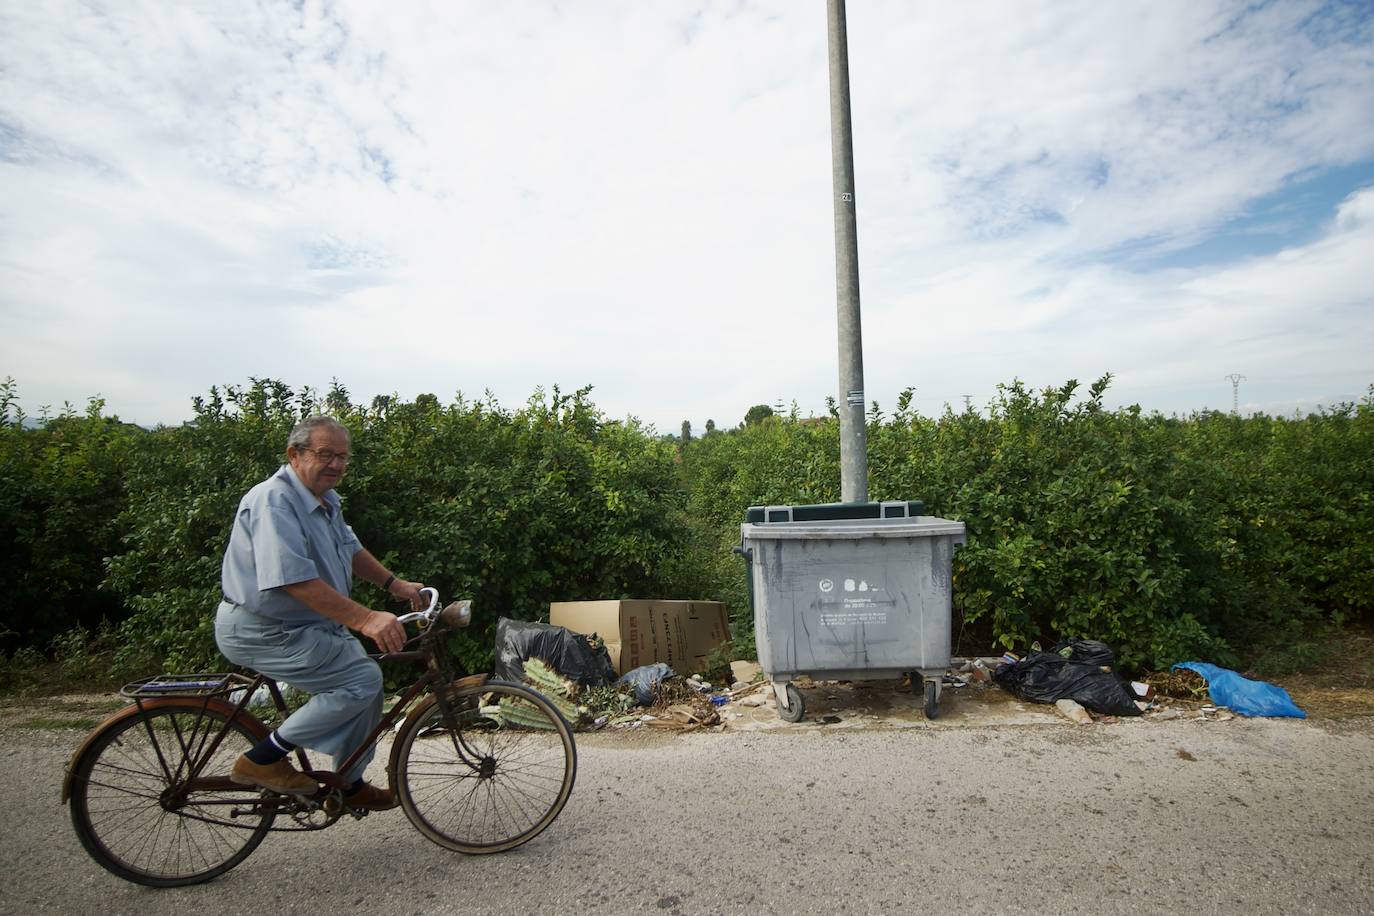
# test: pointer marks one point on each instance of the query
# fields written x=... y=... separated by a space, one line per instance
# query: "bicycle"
x=479 y=766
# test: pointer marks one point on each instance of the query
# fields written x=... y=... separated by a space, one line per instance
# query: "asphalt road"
x=1182 y=816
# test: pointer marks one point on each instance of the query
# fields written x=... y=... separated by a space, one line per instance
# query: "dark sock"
x=270 y=749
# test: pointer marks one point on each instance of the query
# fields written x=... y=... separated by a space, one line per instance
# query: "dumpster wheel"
x=795 y=709
x=932 y=699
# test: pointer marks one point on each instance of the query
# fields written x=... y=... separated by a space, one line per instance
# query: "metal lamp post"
x=853 y=435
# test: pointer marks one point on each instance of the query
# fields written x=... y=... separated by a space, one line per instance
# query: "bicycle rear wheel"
x=135 y=812
x=493 y=780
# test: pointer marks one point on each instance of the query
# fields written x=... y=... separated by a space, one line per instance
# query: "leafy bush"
x=511 y=509
x=61 y=489
x=184 y=487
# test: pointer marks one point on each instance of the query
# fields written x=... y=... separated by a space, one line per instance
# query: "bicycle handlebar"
x=427 y=613
x=455 y=615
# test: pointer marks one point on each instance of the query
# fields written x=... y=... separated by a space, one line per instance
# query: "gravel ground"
x=998 y=812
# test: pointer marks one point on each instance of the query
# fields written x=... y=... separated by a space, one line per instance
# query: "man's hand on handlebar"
x=409 y=591
x=385 y=630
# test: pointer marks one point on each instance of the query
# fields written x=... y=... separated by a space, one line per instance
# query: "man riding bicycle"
x=286 y=578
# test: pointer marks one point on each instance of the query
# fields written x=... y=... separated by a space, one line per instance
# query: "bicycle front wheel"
x=492 y=778
x=138 y=815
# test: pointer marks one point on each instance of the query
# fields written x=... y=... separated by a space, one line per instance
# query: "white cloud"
x=637 y=196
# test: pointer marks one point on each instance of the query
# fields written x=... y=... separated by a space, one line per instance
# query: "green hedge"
x=1167 y=537
x=61 y=490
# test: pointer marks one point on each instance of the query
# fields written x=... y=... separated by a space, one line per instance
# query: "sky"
x=474 y=197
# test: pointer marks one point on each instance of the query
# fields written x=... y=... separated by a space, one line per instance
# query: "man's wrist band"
x=386 y=586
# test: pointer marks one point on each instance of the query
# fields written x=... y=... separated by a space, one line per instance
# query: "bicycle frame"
x=478 y=765
x=441 y=671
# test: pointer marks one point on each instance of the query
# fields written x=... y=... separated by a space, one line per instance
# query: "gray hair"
x=300 y=435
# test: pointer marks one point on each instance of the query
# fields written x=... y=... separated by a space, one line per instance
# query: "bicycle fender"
x=250 y=721
x=419 y=709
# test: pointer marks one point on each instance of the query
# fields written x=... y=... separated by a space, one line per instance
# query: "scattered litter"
x=954 y=680
x=745 y=672
x=1073 y=712
x=754 y=699
x=829 y=720
x=1166 y=714
x=686 y=718
x=1212 y=713
x=752 y=687
x=1143 y=690
x=720 y=700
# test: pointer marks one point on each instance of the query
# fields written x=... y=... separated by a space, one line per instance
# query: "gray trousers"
x=324 y=660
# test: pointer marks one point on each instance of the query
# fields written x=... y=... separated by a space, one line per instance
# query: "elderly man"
x=286 y=613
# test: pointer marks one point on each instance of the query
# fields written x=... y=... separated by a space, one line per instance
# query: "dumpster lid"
x=854 y=528
x=824 y=512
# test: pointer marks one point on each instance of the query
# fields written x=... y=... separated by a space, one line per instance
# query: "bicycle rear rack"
x=185 y=685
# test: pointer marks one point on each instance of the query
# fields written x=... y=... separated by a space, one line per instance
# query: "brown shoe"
x=279 y=777
x=370 y=798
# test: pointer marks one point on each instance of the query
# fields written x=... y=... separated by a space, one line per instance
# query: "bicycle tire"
x=509 y=782
x=141 y=825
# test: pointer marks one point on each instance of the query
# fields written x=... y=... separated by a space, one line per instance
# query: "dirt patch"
x=1341 y=686
x=1333 y=702
x=78 y=711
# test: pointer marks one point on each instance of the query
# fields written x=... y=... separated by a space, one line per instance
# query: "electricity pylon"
x=1235 y=378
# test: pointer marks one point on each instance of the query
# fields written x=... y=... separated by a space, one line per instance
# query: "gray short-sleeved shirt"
x=282 y=535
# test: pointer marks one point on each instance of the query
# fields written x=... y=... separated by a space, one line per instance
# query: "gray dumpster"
x=851 y=598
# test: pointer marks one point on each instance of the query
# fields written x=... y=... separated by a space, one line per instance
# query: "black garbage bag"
x=571 y=654
x=1082 y=670
x=644 y=679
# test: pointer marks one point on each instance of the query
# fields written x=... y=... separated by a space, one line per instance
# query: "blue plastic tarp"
x=1242 y=695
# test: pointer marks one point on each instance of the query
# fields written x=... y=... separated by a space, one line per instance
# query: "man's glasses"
x=325 y=456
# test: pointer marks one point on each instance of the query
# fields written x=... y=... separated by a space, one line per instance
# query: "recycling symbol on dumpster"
x=827 y=585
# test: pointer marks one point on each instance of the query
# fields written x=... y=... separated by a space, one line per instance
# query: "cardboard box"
x=639 y=632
